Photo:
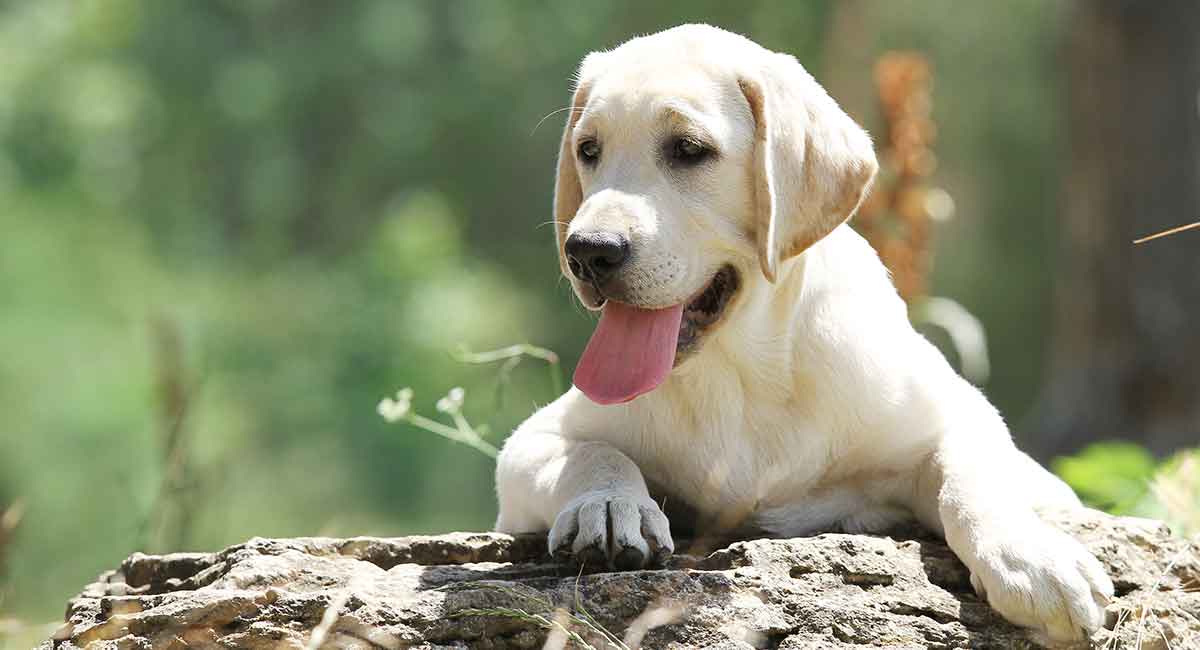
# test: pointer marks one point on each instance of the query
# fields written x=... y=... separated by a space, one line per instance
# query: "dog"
x=752 y=355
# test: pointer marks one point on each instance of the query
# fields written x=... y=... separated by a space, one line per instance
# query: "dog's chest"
x=795 y=486
x=772 y=469
x=720 y=461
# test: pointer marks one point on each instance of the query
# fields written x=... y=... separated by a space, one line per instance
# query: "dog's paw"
x=1039 y=577
x=604 y=529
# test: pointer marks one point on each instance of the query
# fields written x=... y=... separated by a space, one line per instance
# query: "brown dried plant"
x=897 y=218
x=899 y=215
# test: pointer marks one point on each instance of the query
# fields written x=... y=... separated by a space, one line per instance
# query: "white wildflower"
x=396 y=409
x=452 y=402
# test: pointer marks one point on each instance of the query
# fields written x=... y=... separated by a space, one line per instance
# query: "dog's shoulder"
x=845 y=261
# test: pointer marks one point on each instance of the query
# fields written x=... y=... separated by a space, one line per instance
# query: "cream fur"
x=814 y=405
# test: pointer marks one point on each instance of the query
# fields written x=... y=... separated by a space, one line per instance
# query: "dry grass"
x=10 y=518
x=560 y=622
x=316 y=639
x=573 y=626
x=1177 y=488
x=1167 y=233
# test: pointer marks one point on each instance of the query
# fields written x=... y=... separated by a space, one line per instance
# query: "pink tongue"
x=631 y=352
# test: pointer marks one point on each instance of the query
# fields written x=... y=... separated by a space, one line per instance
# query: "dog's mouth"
x=634 y=349
x=705 y=311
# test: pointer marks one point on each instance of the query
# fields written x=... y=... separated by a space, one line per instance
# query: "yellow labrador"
x=752 y=355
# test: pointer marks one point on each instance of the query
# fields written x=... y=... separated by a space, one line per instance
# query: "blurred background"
x=230 y=227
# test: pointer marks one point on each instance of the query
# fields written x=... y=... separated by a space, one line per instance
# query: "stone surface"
x=496 y=591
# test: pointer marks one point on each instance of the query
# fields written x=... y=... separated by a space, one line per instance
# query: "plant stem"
x=466 y=436
x=519 y=350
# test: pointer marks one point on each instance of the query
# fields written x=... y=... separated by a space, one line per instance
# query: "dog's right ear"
x=568 y=193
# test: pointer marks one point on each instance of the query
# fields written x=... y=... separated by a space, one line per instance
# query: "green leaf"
x=1112 y=476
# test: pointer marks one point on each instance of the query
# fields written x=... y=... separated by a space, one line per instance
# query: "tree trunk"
x=1126 y=356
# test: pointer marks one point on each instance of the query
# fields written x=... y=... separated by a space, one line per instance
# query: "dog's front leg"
x=590 y=496
x=1033 y=574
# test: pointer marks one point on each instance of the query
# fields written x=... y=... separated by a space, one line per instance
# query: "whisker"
x=552 y=114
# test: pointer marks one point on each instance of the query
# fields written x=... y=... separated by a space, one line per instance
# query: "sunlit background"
x=229 y=228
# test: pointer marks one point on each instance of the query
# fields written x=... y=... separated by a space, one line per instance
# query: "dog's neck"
x=756 y=349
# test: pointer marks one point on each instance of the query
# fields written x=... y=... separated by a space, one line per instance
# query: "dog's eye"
x=689 y=151
x=589 y=151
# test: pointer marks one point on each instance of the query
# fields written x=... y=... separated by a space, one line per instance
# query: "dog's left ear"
x=814 y=164
x=568 y=194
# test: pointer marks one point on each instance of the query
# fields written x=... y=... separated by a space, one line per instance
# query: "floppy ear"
x=813 y=163
x=568 y=194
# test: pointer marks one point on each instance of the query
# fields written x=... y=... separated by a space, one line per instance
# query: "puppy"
x=752 y=355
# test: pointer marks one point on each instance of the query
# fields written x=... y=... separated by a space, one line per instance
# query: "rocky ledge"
x=485 y=590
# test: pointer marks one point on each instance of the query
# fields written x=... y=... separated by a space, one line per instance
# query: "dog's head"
x=692 y=161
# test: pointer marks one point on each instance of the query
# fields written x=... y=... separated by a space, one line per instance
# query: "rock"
x=486 y=590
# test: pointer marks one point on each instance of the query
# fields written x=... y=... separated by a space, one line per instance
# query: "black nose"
x=596 y=256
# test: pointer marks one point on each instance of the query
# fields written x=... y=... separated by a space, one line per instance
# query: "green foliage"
x=1124 y=479
x=1113 y=476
